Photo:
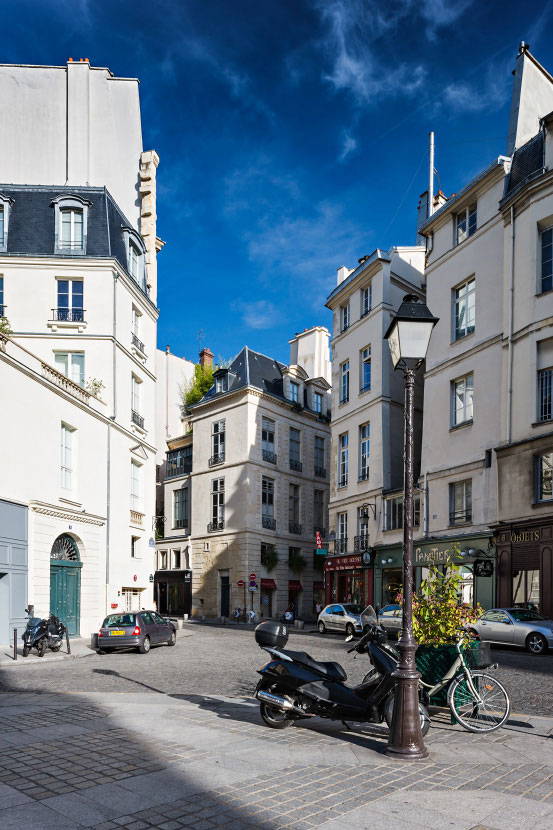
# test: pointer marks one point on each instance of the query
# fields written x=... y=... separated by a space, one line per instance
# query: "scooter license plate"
x=116 y=633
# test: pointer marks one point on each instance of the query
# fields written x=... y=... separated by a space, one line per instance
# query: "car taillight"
x=136 y=631
x=100 y=633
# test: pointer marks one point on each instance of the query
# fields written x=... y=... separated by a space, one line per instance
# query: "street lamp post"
x=408 y=337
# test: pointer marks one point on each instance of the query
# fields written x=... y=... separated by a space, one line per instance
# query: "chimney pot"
x=206 y=358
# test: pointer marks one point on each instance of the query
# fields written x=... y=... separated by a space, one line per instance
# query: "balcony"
x=137 y=419
x=138 y=344
x=214 y=526
x=342 y=482
x=364 y=475
x=295 y=465
x=268 y=522
x=65 y=383
x=137 y=518
x=320 y=472
x=68 y=315
x=218 y=458
x=361 y=543
x=460 y=517
x=178 y=470
x=341 y=545
x=321 y=530
x=181 y=523
x=269 y=456
x=293 y=527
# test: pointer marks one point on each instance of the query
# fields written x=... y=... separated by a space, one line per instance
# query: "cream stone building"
x=246 y=485
x=366 y=459
x=78 y=280
x=487 y=451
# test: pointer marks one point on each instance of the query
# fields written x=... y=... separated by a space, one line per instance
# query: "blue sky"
x=293 y=135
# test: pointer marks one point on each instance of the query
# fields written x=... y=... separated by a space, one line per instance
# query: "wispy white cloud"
x=440 y=14
x=489 y=93
x=349 y=146
x=258 y=314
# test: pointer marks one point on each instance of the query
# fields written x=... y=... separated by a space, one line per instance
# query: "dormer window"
x=221 y=380
x=5 y=205
x=71 y=224
x=134 y=259
x=294 y=391
x=136 y=251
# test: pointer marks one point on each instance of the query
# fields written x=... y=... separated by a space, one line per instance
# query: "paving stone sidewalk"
x=139 y=761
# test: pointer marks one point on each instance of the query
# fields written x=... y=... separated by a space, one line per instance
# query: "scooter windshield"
x=368 y=616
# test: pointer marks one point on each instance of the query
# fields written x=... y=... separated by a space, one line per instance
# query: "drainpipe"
x=108 y=510
x=511 y=323
x=167 y=353
x=426 y=507
x=114 y=346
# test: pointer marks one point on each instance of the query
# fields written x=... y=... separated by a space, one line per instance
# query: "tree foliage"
x=195 y=389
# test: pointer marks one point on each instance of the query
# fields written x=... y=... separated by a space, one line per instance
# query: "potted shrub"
x=296 y=562
x=269 y=558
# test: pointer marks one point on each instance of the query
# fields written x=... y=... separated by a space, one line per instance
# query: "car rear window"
x=115 y=620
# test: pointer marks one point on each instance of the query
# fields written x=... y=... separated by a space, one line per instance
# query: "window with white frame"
x=70 y=301
x=268 y=440
x=135 y=329
x=344 y=382
x=460 y=502
x=294 y=392
x=342 y=540
x=295 y=449
x=180 y=508
x=546 y=280
x=364 y=441
x=2 y=225
x=5 y=206
x=365 y=366
x=218 y=442
x=136 y=490
x=393 y=512
x=267 y=501
x=294 y=507
x=136 y=383
x=464 y=309
x=465 y=223
x=133 y=261
x=545 y=396
x=462 y=400
x=343 y=460
x=320 y=465
x=71 y=364
x=218 y=503
x=67 y=456
x=545 y=477
x=71 y=214
x=135 y=553
x=2 y=313
x=344 y=317
x=366 y=300
x=317 y=402
x=220 y=383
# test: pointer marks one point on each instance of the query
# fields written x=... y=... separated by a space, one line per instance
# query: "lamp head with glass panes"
x=409 y=332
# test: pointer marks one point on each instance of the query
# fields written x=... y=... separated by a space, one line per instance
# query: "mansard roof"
x=32 y=222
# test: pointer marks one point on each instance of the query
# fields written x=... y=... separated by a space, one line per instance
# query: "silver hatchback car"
x=135 y=629
x=344 y=617
x=515 y=627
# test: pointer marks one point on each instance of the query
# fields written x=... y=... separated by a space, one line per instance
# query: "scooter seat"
x=332 y=670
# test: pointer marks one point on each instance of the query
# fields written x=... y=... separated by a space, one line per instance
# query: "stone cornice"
x=67 y=514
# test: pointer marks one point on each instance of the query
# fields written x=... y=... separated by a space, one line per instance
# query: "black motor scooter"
x=294 y=686
x=42 y=634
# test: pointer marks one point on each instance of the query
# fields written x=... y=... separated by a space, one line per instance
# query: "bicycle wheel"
x=485 y=714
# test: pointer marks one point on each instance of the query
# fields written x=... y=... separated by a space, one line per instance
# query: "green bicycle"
x=477 y=701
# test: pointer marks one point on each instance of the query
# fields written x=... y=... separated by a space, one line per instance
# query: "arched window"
x=65 y=548
x=5 y=205
x=71 y=224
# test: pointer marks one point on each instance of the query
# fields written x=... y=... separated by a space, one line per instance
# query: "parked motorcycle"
x=42 y=635
x=294 y=686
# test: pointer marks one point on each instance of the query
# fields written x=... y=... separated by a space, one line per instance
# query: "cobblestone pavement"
x=150 y=760
x=224 y=661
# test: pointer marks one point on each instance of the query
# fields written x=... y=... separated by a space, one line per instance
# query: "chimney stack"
x=206 y=358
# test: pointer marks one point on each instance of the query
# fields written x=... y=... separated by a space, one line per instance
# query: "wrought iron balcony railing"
x=218 y=525
x=364 y=475
x=460 y=517
x=3 y=310
x=175 y=470
x=218 y=458
x=181 y=522
x=293 y=527
x=320 y=472
x=295 y=465
x=138 y=343
x=268 y=522
x=341 y=545
x=68 y=315
x=361 y=543
x=269 y=456
x=137 y=419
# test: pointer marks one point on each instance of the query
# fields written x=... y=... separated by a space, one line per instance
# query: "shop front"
x=266 y=599
x=474 y=555
x=318 y=595
x=349 y=579
x=173 y=592
x=294 y=597
x=525 y=564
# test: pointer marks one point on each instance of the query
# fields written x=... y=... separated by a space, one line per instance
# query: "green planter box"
x=433 y=662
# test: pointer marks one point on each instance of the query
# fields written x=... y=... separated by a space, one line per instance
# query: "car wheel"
x=322 y=627
x=172 y=639
x=350 y=630
x=536 y=643
x=145 y=647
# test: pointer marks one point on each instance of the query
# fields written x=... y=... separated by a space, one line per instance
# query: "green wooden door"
x=65 y=594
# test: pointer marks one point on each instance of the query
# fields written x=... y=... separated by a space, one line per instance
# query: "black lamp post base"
x=405 y=741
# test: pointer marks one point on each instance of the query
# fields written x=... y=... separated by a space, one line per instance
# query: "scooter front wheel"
x=274 y=717
x=41 y=648
x=26 y=651
x=423 y=712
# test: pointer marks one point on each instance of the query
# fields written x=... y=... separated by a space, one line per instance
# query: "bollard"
x=67 y=641
x=15 y=644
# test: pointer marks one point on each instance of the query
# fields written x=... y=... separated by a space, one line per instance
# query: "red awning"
x=294 y=585
x=268 y=584
x=318 y=586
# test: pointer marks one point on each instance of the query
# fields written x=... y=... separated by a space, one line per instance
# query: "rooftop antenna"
x=431 y=177
x=200 y=338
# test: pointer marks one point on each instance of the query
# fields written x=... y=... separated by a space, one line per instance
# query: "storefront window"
x=466 y=588
x=391 y=585
x=526 y=588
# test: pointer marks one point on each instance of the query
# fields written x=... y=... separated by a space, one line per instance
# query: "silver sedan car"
x=515 y=627
x=344 y=617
